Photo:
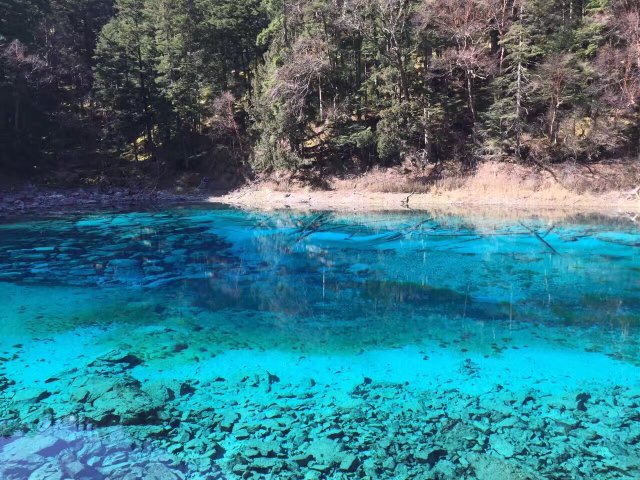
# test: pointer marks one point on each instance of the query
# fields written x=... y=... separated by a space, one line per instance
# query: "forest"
x=315 y=85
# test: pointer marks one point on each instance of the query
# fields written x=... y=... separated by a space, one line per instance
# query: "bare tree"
x=618 y=64
x=556 y=77
x=295 y=79
x=465 y=25
x=223 y=122
x=24 y=69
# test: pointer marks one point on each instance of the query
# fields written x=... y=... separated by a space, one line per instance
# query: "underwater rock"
x=158 y=471
x=239 y=468
x=445 y=470
x=326 y=451
x=28 y=456
x=621 y=464
x=501 y=446
x=469 y=367
x=429 y=456
x=582 y=398
x=267 y=448
x=301 y=460
x=485 y=428
x=43 y=445
x=506 y=423
x=491 y=468
x=186 y=388
x=125 y=403
x=30 y=395
x=119 y=357
x=349 y=463
x=178 y=347
x=48 y=471
x=242 y=434
x=160 y=391
x=389 y=464
x=71 y=467
x=181 y=436
x=267 y=434
x=264 y=464
x=228 y=420
x=597 y=451
x=370 y=468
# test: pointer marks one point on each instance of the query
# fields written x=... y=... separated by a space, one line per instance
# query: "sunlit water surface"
x=208 y=342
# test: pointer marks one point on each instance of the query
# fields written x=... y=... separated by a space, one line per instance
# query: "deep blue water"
x=209 y=342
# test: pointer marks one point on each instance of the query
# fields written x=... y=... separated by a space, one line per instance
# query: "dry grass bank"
x=494 y=186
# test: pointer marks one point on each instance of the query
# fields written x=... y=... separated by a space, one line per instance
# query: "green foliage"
x=319 y=83
x=396 y=129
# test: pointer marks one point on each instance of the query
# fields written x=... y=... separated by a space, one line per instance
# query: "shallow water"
x=208 y=342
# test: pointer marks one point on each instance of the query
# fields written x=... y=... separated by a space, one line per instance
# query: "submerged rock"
x=48 y=471
x=489 y=468
x=125 y=403
x=502 y=446
x=430 y=456
x=23 y=447
x=158 y=471
x=349 y=463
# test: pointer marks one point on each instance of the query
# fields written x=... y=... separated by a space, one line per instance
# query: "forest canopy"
x=327 y=84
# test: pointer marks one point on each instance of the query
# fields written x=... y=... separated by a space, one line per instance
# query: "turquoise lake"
x=208 y=342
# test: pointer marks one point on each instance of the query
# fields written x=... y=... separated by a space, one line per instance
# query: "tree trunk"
x=16 y=117
x=495 y=38
x=404 y=82
x=366 y=91
x=320 y=97
x=473 y=111
x=358 y=64
x=247 y=70
x=143 y=93
x=284 y=22
x=182 y=146
x=358 y=54
x=517 y=124
x=570 y=10
x=552 y=127
x=638 y=131
x=135 y=150
x=428 y=143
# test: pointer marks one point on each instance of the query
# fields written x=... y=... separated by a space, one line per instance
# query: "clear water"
x=208 y=342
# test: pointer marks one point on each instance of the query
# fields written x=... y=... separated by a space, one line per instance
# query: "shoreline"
x=263 y=198
x=496 y=187
x=361 y=201
x=35 y=199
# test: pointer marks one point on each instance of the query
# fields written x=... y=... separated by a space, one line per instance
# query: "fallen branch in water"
x=405 y=202
x=618 y=242
x=534 y=233
x=633 y=192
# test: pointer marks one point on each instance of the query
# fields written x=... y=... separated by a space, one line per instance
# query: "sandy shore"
x=496 y=188
x=456 y=201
